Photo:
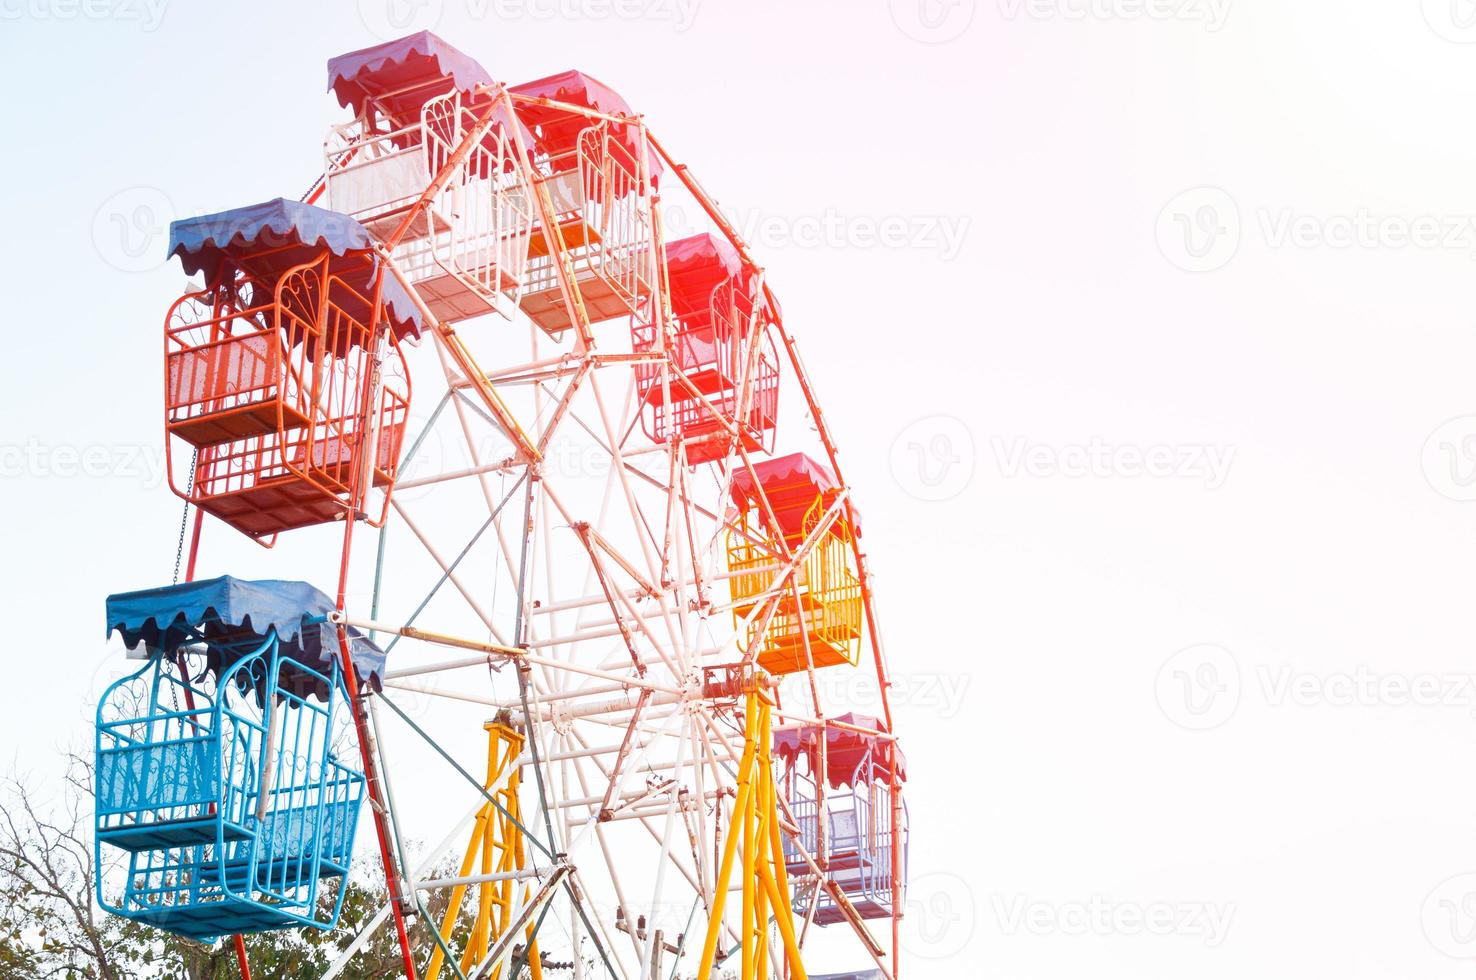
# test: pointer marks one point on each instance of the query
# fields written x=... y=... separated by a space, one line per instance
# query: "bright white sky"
x=1034 y=291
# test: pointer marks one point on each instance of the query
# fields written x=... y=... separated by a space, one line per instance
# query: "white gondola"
x=466 y=252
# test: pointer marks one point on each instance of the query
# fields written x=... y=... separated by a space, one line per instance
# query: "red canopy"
x=557 y=130
x=851 y=757
x=791 y=483
x=403 y=75
x=270 y=238
x=695 y=266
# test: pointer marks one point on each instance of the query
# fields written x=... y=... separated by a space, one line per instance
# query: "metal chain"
x=184 y=520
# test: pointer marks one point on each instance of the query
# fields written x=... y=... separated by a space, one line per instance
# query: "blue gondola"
x=226 y=767
x=860 y=836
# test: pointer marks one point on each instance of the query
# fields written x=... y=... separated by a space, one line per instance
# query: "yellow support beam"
x=765 y=887
x=497 y=840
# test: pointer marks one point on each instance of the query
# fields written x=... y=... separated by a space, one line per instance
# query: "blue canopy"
x=403 y=74
x=235 y=610
x=269 y=238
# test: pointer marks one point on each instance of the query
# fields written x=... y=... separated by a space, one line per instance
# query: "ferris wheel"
x=614 y=591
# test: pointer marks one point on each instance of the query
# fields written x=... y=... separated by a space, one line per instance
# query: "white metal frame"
x=619 y=652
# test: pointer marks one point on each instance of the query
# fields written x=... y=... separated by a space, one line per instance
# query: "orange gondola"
x=279 y=372
x=722 y=388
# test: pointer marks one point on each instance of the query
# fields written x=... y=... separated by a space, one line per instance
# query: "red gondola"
x=722 y=389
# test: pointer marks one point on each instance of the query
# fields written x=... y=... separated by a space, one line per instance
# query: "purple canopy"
x=851 y=757
x=269 y=238
x=403 y=74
